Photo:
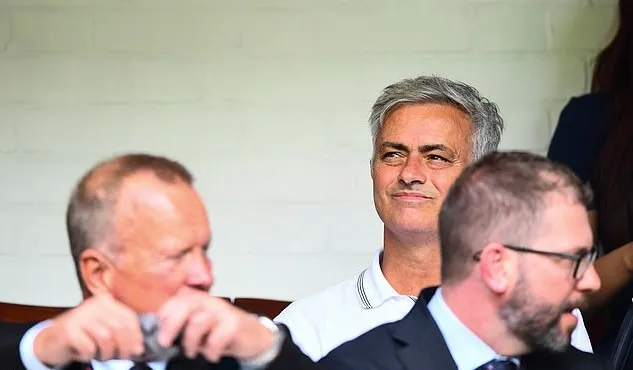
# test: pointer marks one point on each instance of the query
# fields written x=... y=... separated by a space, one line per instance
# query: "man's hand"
x=212 y=327
x=99 y=328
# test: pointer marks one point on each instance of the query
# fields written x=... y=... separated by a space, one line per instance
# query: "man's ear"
x=496 y=266
x=96 y=270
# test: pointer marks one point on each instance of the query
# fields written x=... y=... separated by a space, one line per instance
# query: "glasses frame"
x=576 y=258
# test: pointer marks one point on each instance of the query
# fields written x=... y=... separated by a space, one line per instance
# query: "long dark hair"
x=613 y=75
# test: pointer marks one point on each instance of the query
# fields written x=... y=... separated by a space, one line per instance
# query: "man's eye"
x=391 y=155
x=435 y=157
x=180 y=255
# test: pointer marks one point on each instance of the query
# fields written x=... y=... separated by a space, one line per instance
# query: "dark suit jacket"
x=416 y=343
x=11 y=330
x=290 y=358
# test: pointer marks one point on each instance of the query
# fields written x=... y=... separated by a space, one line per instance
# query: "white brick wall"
x=266 y=101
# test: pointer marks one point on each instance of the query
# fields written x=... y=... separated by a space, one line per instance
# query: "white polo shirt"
x=323 y=321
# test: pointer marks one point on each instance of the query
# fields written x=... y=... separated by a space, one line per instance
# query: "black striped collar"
x=372 y=288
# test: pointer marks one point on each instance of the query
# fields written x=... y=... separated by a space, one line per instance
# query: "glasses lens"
x=585 y=262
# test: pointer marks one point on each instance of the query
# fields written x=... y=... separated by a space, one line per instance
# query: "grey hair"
x=488 y=124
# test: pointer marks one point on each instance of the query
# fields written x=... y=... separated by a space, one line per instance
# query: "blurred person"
x=139 y=236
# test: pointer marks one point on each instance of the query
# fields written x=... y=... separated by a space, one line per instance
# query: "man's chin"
x=559 y=337
x=411 y=224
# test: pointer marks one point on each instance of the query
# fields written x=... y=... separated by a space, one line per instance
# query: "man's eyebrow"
x=422 y=148
x=431 y=147
x=397 y=146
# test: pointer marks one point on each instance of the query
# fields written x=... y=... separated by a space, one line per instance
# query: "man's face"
x=420 y=150
x=539 y=309
x=164 y=233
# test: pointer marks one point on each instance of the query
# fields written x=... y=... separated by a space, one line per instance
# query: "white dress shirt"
x=467 y=349
x=323 y=321
x=33 y=363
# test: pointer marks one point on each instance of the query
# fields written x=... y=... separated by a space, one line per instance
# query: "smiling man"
x=425 y=132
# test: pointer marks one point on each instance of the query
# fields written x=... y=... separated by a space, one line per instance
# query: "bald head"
x=90 y=212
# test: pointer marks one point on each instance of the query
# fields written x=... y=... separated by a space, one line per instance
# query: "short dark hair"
x=499 y=198
x=89 y=216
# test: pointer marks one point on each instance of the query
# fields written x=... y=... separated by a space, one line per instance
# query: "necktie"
x=498 y=365
x=140 y=366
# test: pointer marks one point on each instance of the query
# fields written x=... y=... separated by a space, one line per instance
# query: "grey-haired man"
x=425 y=131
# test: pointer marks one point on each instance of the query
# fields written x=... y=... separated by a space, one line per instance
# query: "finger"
x=123 y=328
x=102 y=337
x=185 y=291
x=109 y=315
x=173 y=304
x=195 y=333
x=90 y=329
x=131 y=335
x=173 y=317
x=219 y=339
x=128 y=334
x=83 y=346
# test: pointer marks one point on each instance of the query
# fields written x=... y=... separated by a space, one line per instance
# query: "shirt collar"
x=372 y=288
x=466 y=348
x=125 y=364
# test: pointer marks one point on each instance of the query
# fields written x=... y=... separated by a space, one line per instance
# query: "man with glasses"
x=517 y=258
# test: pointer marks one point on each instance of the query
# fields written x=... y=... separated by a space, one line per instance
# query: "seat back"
x=22 y=313
x=267 y=307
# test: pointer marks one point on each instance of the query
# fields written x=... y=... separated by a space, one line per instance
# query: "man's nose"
x=590 y=281
x=413 y=171
x=200 y=271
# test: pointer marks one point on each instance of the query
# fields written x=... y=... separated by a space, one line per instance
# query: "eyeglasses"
x=582 y=260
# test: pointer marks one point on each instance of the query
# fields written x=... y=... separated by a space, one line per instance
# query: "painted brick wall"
x=266 y=101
